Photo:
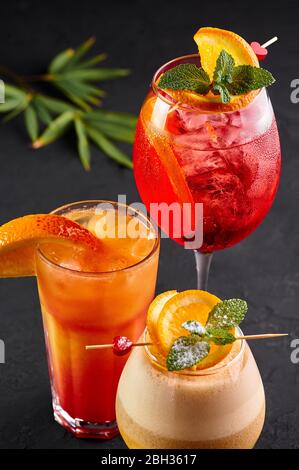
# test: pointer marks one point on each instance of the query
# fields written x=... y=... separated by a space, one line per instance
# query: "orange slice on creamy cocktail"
x=154 y=311
x=170 y=310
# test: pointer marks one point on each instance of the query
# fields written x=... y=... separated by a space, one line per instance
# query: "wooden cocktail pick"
x=262 y=336
x=122 y=345
x=271 y=41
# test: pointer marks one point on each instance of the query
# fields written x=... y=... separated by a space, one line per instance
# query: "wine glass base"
x=85 y=429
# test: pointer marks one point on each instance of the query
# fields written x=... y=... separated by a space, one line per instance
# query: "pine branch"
x=47 y=118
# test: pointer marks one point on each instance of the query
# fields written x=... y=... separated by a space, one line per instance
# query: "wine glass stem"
x=203 y=263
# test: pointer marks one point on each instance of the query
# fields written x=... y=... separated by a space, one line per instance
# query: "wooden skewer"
x=247 y=337
x=268 y=335
x=271 y=41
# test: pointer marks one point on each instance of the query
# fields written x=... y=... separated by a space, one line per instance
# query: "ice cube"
x=196 y=162
x=235 y=119
x=190 y=121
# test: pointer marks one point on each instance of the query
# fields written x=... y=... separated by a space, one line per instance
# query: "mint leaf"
x=228 y=79
x=186 y=352
x=186 y=77
x=220 y=336
x=246 y=78
x=223 y=91
x=227 y=314
x=223 y=75
x=194 y=327
x=224 y=68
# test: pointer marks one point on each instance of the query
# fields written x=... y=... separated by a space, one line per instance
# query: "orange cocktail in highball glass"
x=87 y=299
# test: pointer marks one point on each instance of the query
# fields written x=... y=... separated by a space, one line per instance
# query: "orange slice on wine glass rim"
x=210 y=42
x=20 y=238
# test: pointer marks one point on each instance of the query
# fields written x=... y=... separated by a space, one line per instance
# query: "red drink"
x=230 y=162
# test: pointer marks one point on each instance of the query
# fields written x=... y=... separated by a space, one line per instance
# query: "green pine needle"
x=43 y=113
x=56 y=129
x=108 y=147
x=31 y=122
x=60 y=61
x=19 y=108
x=83 y=145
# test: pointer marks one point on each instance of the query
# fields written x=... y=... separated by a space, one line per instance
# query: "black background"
x=263 y=268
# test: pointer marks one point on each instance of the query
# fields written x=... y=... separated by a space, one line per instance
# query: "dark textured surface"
x=263 y=268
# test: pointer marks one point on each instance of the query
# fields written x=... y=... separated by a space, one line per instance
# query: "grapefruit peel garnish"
x=20 y=238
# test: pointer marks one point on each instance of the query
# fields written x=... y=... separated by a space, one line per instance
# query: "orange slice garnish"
x=161 y=143
x=210 y=42
x=188 y=305
x=154 y=311
x=20 y=238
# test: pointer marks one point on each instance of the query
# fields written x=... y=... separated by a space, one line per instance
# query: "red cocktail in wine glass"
x=195 y=149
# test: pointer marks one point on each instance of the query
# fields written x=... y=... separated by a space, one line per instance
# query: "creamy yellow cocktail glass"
x=219 y=407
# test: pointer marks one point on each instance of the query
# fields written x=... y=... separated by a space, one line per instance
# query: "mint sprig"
x=186 y=77
x=228 y=79
x=186 y=352
x=219 y=89
x=227 y=314
x=225 y=64
x=223 y=75
x=220 y=336
x=189 y=350
x=246 y=78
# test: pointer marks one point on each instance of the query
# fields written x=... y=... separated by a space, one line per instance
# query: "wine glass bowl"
x=228 y=161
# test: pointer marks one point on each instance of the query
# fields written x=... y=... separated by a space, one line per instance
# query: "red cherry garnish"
x=259 y=51
x=121 y=345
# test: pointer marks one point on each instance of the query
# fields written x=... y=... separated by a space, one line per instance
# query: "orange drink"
x=86 y=299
